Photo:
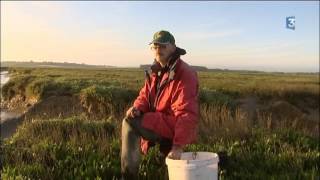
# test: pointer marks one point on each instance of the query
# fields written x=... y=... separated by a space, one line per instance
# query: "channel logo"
x=291 y=22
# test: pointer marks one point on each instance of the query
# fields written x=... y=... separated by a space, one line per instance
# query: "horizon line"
x=138 y=66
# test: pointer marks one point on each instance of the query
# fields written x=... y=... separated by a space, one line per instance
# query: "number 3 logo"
x=290 y=22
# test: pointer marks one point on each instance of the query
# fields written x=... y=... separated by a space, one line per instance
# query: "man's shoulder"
x=186 y=71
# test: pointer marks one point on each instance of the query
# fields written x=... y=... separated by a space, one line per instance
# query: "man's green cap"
x=162 y=37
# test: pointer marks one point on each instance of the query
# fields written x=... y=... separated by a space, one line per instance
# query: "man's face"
x=162 y=52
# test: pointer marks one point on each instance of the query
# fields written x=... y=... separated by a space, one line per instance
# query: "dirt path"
x=9 y=126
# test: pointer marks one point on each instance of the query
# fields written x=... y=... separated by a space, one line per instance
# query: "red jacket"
x=175 y=114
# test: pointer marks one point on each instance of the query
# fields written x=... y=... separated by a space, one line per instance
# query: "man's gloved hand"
x=175 y=152
x=133 y=112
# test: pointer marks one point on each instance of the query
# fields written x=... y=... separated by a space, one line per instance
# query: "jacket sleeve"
x=141 y=102
x=186 y=109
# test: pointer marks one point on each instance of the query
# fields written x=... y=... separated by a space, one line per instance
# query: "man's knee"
x=133 y=123
x=125 y=122
x=125 y=126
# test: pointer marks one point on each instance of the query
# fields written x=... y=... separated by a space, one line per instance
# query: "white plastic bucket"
x=194 y=166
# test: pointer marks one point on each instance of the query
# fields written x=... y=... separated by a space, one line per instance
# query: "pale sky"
x=232 y=35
